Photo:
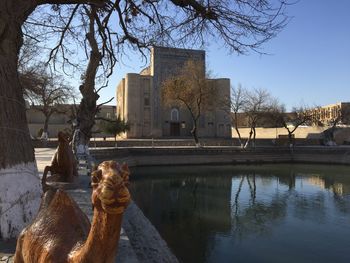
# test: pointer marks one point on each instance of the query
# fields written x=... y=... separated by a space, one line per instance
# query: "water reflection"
x=275 y=213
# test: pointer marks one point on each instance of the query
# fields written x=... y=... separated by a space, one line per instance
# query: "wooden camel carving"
x=63 y=166
x=61 y=232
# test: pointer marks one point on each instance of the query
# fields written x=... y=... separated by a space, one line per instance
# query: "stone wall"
x=53 y=129
x=224 y=155
x=306 y=135
x=61 y=121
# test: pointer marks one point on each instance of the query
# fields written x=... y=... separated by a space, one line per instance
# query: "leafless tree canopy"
x=42 y=88
x=70 y=34
x=239 y=25
x=237 y=101
x=291 y=121
x=238 y=98
x=46 y=92
x=191 y=89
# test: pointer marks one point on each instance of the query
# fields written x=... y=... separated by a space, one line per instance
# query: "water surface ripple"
x=268 y=213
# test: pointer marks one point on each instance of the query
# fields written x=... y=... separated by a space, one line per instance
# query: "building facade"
x=63 y=121
x=320 y=116
x=328 y=114
x=139 y=100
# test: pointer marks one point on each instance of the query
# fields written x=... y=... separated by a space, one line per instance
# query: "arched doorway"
x=174 y=122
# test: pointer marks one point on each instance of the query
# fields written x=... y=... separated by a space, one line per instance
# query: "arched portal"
x=174 y=122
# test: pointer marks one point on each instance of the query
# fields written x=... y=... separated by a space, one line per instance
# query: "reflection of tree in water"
x=342 y=204
x=311 y=207
x=337 y=183
x=256 y=217
x=192 y=209
x=336 y=179
x=340 y=186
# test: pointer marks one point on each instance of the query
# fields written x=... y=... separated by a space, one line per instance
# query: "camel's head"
x=109 y=183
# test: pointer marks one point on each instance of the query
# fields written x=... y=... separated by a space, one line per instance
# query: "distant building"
x=321 y=116
x=326 y=115
x=139 y=100
x=62 y=121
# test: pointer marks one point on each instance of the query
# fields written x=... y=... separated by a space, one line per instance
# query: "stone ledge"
x=145 y=239
x=146 y=156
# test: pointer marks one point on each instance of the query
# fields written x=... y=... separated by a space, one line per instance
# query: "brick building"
x=139 y=100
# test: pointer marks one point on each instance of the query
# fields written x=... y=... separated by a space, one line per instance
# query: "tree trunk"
x=19 y=181
x=45 y=134
x=254 y=137
x=237 y=130
x=46 y=123
x=195 y=133
x=290 y=138
x=249 y=138
x=87 y=108
x=86 y=113
x=85 y=122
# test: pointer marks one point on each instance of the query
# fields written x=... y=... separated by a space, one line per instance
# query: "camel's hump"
x=59 y=227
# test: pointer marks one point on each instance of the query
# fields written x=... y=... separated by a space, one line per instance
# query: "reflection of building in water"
x=287 y=179
x=329 y=182
x=317 y=181
x=204 y=197
x=186 y=204
x=338 y=189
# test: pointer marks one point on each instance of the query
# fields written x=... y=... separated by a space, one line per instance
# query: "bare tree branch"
x=101 y=104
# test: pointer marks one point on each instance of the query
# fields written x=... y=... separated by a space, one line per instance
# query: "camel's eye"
x=96 y=177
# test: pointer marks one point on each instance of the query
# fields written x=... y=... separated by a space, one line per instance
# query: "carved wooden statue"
x=63 y=166
x=61 y=232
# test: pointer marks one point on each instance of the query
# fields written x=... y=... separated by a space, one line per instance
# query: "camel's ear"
x=125 y=172
x=94 y=167
x=125 y=168
x=96 y=177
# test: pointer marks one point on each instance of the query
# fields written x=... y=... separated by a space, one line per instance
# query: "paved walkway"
x=145 y=244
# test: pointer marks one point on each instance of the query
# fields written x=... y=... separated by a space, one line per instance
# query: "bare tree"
x=293 y=120
x=242 y=26
x=237 y=103
x=99 y=51
x=159 y=31
x=192 y=90
x=341 y=116
x=88 y=108
x=257 y=104
x=46 y=93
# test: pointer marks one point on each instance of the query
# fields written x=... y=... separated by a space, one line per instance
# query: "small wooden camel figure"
x=61 y=232
x=63 y=166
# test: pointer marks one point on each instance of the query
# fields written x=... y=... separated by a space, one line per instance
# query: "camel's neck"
x=102 y=242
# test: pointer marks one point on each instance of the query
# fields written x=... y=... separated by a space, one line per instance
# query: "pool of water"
x=268 y=213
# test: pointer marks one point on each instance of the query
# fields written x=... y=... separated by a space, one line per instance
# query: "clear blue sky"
x=309 y=62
